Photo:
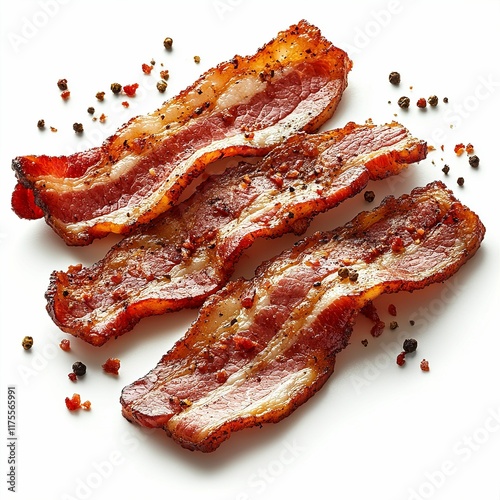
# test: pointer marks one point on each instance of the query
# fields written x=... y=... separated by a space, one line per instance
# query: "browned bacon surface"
x=260 y=348
x=190 y=252
x=242 y=107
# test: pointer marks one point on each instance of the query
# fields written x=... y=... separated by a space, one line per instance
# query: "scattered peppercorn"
x=410 y=345
x=164 y=74
x=167 y=43
x=100 y=96
x=400 y=359
x=424 y=365
x=394 y=78
x=79 y=368
x=445 y=100
x=196 y=59
x=78 y=128
x=404 y=102
x=412 y=322
x=369 y=196
x=469 y=148
x=364 y=342
x=65 y=345
x=125 y=104
x=421 y=103
x=161 y=86
x=41 y=124
x=433 y=100
x=102 y=118
x=62 y=84
x=446 y=169
x=393 y=325
x=116 y=88
x=353 y=275
x=391 y=308
x=27 y=343
x=474 y=161
x=112 y=365
x=65 y=95
x=460 y=181
x=343 y=272
x=90 y=110
x=72 y=376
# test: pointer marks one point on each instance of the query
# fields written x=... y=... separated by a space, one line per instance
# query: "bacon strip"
x=191 y=251
x=242 y=107
x=262 y=347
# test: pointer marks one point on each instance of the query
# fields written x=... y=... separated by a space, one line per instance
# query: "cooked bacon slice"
x=190 y=251
x=262 y=347
x=242 y=107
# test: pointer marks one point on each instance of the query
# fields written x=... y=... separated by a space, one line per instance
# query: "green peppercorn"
x=79 y=369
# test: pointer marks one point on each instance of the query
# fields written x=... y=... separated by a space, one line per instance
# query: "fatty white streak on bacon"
x=190 y=252
x=262 y=347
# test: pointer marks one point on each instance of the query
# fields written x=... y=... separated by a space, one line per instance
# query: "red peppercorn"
x=392 y=310
x=400 y=360
x=73 y=403
x=131 y=89
x=421 y=103
x=65 y=95
x=72 y=376
x=112 y=365
x=146 y=68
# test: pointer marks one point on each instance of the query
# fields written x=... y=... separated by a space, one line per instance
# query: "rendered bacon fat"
x=190 y=252
x=243 y=107
x=262 y=347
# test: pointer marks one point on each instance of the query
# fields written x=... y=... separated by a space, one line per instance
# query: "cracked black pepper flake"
x=41 y=124
x=78 y=128
x=474 y=161
x=404 y=102
x=433 y=100
x=394 y=78
x=369 y=196
x=410 y=345
x=116 y=88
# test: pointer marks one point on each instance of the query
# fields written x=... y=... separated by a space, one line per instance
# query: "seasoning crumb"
x=446 y=169
x=404 y=102
x=410 y=345
x=424 y=365
x=79 y=368
x=393 y=325
x=41 y=124
x=168 y=42
x=459 y=149
x=369 y=196
x=100 y=96
x=78 y=128
x=146 y=69
x=469 y=148
x=62 y=84
x=112 y=365
x=125 y=104
x=433 y=100
x=102 y=118
x=27 y=343
x=412 y=322
x=116 y=88
x=161 y=86
x=164 y=74
x=474 y=161
x=196 y=59
x=364 y=342
x=421 y=103
x=65 y=345
x=400 y=359
x=460 y=181
x=394 y=78
x=53 y=129
x=90 y=110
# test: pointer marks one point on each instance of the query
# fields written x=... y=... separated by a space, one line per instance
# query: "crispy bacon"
x=242 y=107
x=262 y=347
x=190 y=251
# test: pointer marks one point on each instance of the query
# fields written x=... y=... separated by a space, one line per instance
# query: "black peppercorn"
x=404 y=102
x=474 y=161
x=79 y=369
x=410 y=345
x=369 y=196
x=394 y=77
x=116 y=88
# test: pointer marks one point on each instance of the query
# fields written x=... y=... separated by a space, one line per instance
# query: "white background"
x=375 y=430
